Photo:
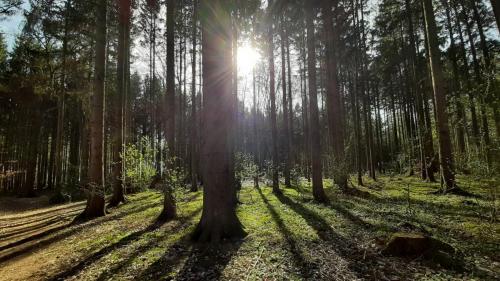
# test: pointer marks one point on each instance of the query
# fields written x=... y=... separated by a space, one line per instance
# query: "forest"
x=249 y=140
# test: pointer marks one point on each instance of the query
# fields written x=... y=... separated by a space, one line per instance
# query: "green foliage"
x=139 y=163
x=337 y=169
x=3 y=54
x=295 y=175
x=476 y=164
x=268 y=170
x=245 y=167
x=174 y=179
x=3 y=62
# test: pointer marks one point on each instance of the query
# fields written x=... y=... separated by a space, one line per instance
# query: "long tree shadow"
x=162 y=269
x=106 y=250
x=207 y=262
x=43 y=228
x=350 y=216
x=184 y=222
x=346 y=249
x=31 y=243
x=305 y=268
x=473 y=210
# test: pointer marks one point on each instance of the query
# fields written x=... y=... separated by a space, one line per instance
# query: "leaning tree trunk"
x=445 y=156
x=317 y=178
x=95 y=193
x=218 y=220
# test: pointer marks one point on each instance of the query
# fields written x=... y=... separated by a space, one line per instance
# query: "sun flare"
x=247 y=59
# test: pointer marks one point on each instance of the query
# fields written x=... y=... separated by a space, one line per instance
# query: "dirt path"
x=22 y=231
x=36 y=244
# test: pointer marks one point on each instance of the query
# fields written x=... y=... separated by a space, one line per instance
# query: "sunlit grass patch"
x=290 y=236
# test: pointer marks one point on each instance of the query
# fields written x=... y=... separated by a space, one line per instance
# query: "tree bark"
x=256 y=150
x=290 y=104
x=460 y=128
x=495 y=4
x=286 y=127
x=218 y=220
x=118 y=106
x=95 y=194
x=489 y=98
x=169 y=210
x=317 y=178
x=305 y=115
x=61 y=104
x=334 y=106
x=28 y=187
x=272 y=97
x=194 y=128
x=445 y=155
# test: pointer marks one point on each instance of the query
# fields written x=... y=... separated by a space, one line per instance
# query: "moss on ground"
x=289 y=237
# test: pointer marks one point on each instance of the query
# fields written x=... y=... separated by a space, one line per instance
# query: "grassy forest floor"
x=289 y=237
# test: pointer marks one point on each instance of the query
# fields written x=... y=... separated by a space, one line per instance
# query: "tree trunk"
x=466 y=76
x=291 y=150
x=95 y=193
x=495 y=4
x=445 y=155
x=286 y=127
x=118 y=106
x=61 y=104
x=305 y=116
x=256 y=150
x=31 y=153
x=334 y=106
x=489 y=97
x=169 y=210
x=272 y=97
x=460 y=128
x=317 y=178
x=194 y=128
x=218 y=220
x=357 y=89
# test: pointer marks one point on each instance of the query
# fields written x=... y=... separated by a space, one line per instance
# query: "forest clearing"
x=249 y=140
x=290 y=238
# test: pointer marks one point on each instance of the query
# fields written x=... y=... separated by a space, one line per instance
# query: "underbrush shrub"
x=268 y=171
x=139 y=165
x=338 y=170
x=174 y=179
x=245 y=166
x=295 y=176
